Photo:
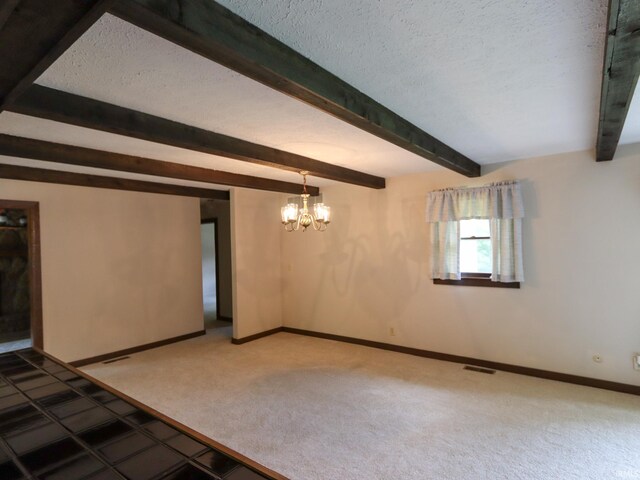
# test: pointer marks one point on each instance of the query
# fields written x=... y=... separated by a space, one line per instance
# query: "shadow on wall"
x=379 y=260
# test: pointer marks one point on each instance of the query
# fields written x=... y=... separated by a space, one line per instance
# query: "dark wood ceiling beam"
x=50 y=104
x=6 y=9
x=620 y=74
x=14 y=172
x=35 y=33
x=21 y=147
x=215 y=32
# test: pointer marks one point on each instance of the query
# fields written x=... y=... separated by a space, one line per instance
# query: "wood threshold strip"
x=247 y=462
x=34 y=34
x=132 y=350
x=504 y=367
x=51 y=104
x=86 y=157
x=215 y=32
x=43 y=175
x=619 y=74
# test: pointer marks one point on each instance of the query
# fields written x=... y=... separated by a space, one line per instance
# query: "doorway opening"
x=215 y=236
x=210 y=282
x=20 y=283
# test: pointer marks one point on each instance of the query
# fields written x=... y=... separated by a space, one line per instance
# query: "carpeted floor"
x=210 y=307
x=318 y=409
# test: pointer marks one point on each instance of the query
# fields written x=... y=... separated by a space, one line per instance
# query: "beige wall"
x=257 y=279
x=220 y=209
x=119 y=269
x=370 y=270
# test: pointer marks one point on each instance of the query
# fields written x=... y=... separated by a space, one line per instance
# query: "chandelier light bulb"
x=289 y=213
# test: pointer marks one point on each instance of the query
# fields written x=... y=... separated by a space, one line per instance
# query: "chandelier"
x=296 y=213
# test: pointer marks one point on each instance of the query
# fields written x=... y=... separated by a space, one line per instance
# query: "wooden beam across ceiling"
x=6 y=9
x=51 y=104
x=34 y=33
x=16 y=172
x=213 y=31
x=620 y=74
x=21 y=147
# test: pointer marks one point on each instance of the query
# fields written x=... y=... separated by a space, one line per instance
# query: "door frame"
x=217 y=269
x=35 y=266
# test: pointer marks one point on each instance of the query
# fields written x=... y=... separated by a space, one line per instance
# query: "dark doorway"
x=215 y=228
x=20 y=278
x=210 y=270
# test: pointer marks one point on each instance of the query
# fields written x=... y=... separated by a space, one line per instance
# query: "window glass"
x=475 y=246
x=474 y=228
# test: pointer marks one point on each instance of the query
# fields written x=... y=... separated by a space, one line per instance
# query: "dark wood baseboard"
x=139 y=348
x=505 y=367
x=223 y=318
x=256 y=336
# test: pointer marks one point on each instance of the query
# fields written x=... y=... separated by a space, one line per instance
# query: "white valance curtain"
x=501 y=203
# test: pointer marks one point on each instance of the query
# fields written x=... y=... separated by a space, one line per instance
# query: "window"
x=475 y=247
x=476 y=256
x=476 y=235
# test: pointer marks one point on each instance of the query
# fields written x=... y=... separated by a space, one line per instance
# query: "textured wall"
x=257 y=278
x=119 y=269
x=370 y=270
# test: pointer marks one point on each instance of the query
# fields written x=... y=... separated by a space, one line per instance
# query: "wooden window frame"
x=476 y=280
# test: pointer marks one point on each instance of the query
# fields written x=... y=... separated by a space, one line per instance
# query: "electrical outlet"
x=392 y=331
x=597 y=358
x=636 y=361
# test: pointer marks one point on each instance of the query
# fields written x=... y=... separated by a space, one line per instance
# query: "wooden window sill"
x=480 y=281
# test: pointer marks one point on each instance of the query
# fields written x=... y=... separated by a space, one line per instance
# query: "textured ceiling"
x=24 y=126
x=121 y=64
x=495 y=80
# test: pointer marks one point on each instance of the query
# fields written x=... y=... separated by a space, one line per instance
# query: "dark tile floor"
x=56 y=425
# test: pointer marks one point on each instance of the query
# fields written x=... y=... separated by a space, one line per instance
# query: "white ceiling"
x=495 y=80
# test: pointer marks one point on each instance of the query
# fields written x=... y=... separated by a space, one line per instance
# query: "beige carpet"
x=210 y=310
x=317 y=409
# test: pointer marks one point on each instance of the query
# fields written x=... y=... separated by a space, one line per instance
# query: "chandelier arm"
x=305 y=217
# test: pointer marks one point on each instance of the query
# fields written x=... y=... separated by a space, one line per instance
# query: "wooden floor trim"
x=504 y=367
x=139 y=348
x=189 y=431
x=256 y=336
